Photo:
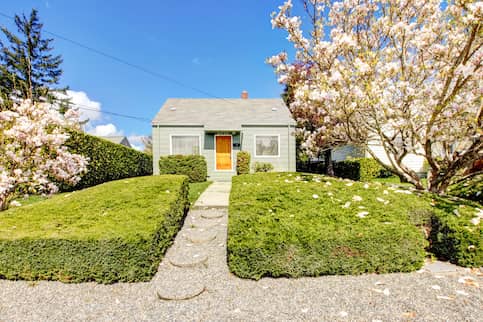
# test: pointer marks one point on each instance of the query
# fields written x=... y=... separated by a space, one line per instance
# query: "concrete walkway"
x=193 y=283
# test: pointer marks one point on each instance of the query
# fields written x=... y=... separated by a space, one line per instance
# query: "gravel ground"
x=419 y=296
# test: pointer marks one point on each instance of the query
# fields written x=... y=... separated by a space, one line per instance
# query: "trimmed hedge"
x=242 y=162
x=293 y=225
x=360 y=169
x=453 y=236
x=107 y=161
x=193 y=166
x=117 y=231
x=262 y=167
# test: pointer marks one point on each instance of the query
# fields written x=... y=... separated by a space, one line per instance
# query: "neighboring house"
x=412 y=161
x=118 y=140
x=219 y=128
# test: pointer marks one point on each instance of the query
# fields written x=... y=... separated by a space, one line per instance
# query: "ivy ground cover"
x=116 y=231
x=292 y=224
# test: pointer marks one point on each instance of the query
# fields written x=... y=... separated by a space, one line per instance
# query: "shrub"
x=262 y=167
x=107 y=161
x=193 y=166
x=363 y=169
x=289 y=225
x=348 y=169
x=471 y=189
x=453 y=236
x=242 y=162
x=117 y=231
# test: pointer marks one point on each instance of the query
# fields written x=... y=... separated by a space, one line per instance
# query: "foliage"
x=32 y=151
x=117 y=231
x=456 y=233
x=292 y=224
x=262 y=167
x=242 y=162
x=405 y=74
x=28 y=70
x=107 y=161
x=193 y=166
x=471 y=188
x=196 y=189
x=349 y=169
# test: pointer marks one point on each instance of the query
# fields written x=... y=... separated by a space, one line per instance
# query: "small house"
x=219 y=128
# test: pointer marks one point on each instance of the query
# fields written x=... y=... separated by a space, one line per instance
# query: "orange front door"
x=223 y=152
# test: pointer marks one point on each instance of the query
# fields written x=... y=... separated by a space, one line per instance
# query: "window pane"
x=185 y=145
x=266 y=145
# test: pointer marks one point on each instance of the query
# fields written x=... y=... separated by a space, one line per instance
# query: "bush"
x=117 y=231
x=193 y=166
x=242 y=162
x=471 y=189
x=453 y=236
x=288 y=224
x=107 y=161
x=262 y=167
x=360 y=169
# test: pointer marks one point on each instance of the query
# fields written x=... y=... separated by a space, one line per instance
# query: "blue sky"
x=216 y=46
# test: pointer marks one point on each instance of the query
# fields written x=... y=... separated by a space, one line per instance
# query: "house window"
x=185 y=144
x=267 y=145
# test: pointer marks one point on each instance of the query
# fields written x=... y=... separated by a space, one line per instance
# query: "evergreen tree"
x=28 y=69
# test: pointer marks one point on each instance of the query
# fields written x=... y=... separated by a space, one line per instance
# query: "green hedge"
x=107 y=161
x=453 y=236
x=117 y=231
x=293 y=225
x=242 y=162
x=360 y=169
x=193 y=166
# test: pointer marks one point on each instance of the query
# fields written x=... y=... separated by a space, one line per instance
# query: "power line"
x=127 y=63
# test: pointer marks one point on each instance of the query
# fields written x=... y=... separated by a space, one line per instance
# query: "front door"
x=223 y=152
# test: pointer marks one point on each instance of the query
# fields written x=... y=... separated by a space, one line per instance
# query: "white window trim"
x=266 y=156
x=231 y=146
x=171 y=141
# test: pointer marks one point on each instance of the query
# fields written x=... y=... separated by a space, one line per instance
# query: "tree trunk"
x=328 y=162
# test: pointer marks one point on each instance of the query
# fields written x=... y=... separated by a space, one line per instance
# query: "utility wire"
x=127 y=63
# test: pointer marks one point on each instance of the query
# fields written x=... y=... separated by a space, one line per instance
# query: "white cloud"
x=89 y=109
x=105 y=130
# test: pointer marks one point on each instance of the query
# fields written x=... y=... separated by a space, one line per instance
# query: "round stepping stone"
x=179 y=284
x=187 y=257
x=202 y=223
x=198 y=236
x=212 y=214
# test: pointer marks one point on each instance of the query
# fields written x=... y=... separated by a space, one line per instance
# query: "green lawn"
x=292 y=224
x=116 y=231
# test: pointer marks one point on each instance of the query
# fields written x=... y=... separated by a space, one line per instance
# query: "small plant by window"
x=262 y=167
x=242 y=162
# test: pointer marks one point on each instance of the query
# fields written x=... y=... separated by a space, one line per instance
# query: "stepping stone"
x=199 y=236
x=212 y=214
x=179 y=284
x=187 y=257
x=202 y=223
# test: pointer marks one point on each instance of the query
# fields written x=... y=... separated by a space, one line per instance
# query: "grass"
x=116 y=231
x=292 y=224
x=196 y=189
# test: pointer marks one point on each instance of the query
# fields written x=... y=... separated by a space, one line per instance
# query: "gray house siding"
x=244 y=140
x=285 y=161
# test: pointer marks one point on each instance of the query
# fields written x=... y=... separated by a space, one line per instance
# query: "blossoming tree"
x=406 y=74
x=32 y=154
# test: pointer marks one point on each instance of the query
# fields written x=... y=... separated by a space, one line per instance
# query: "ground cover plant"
x=117 y=231
x=196 y=189
x=292 y=224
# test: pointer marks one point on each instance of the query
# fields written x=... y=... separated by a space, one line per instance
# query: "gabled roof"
x=223 y=114
x=118 y=140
